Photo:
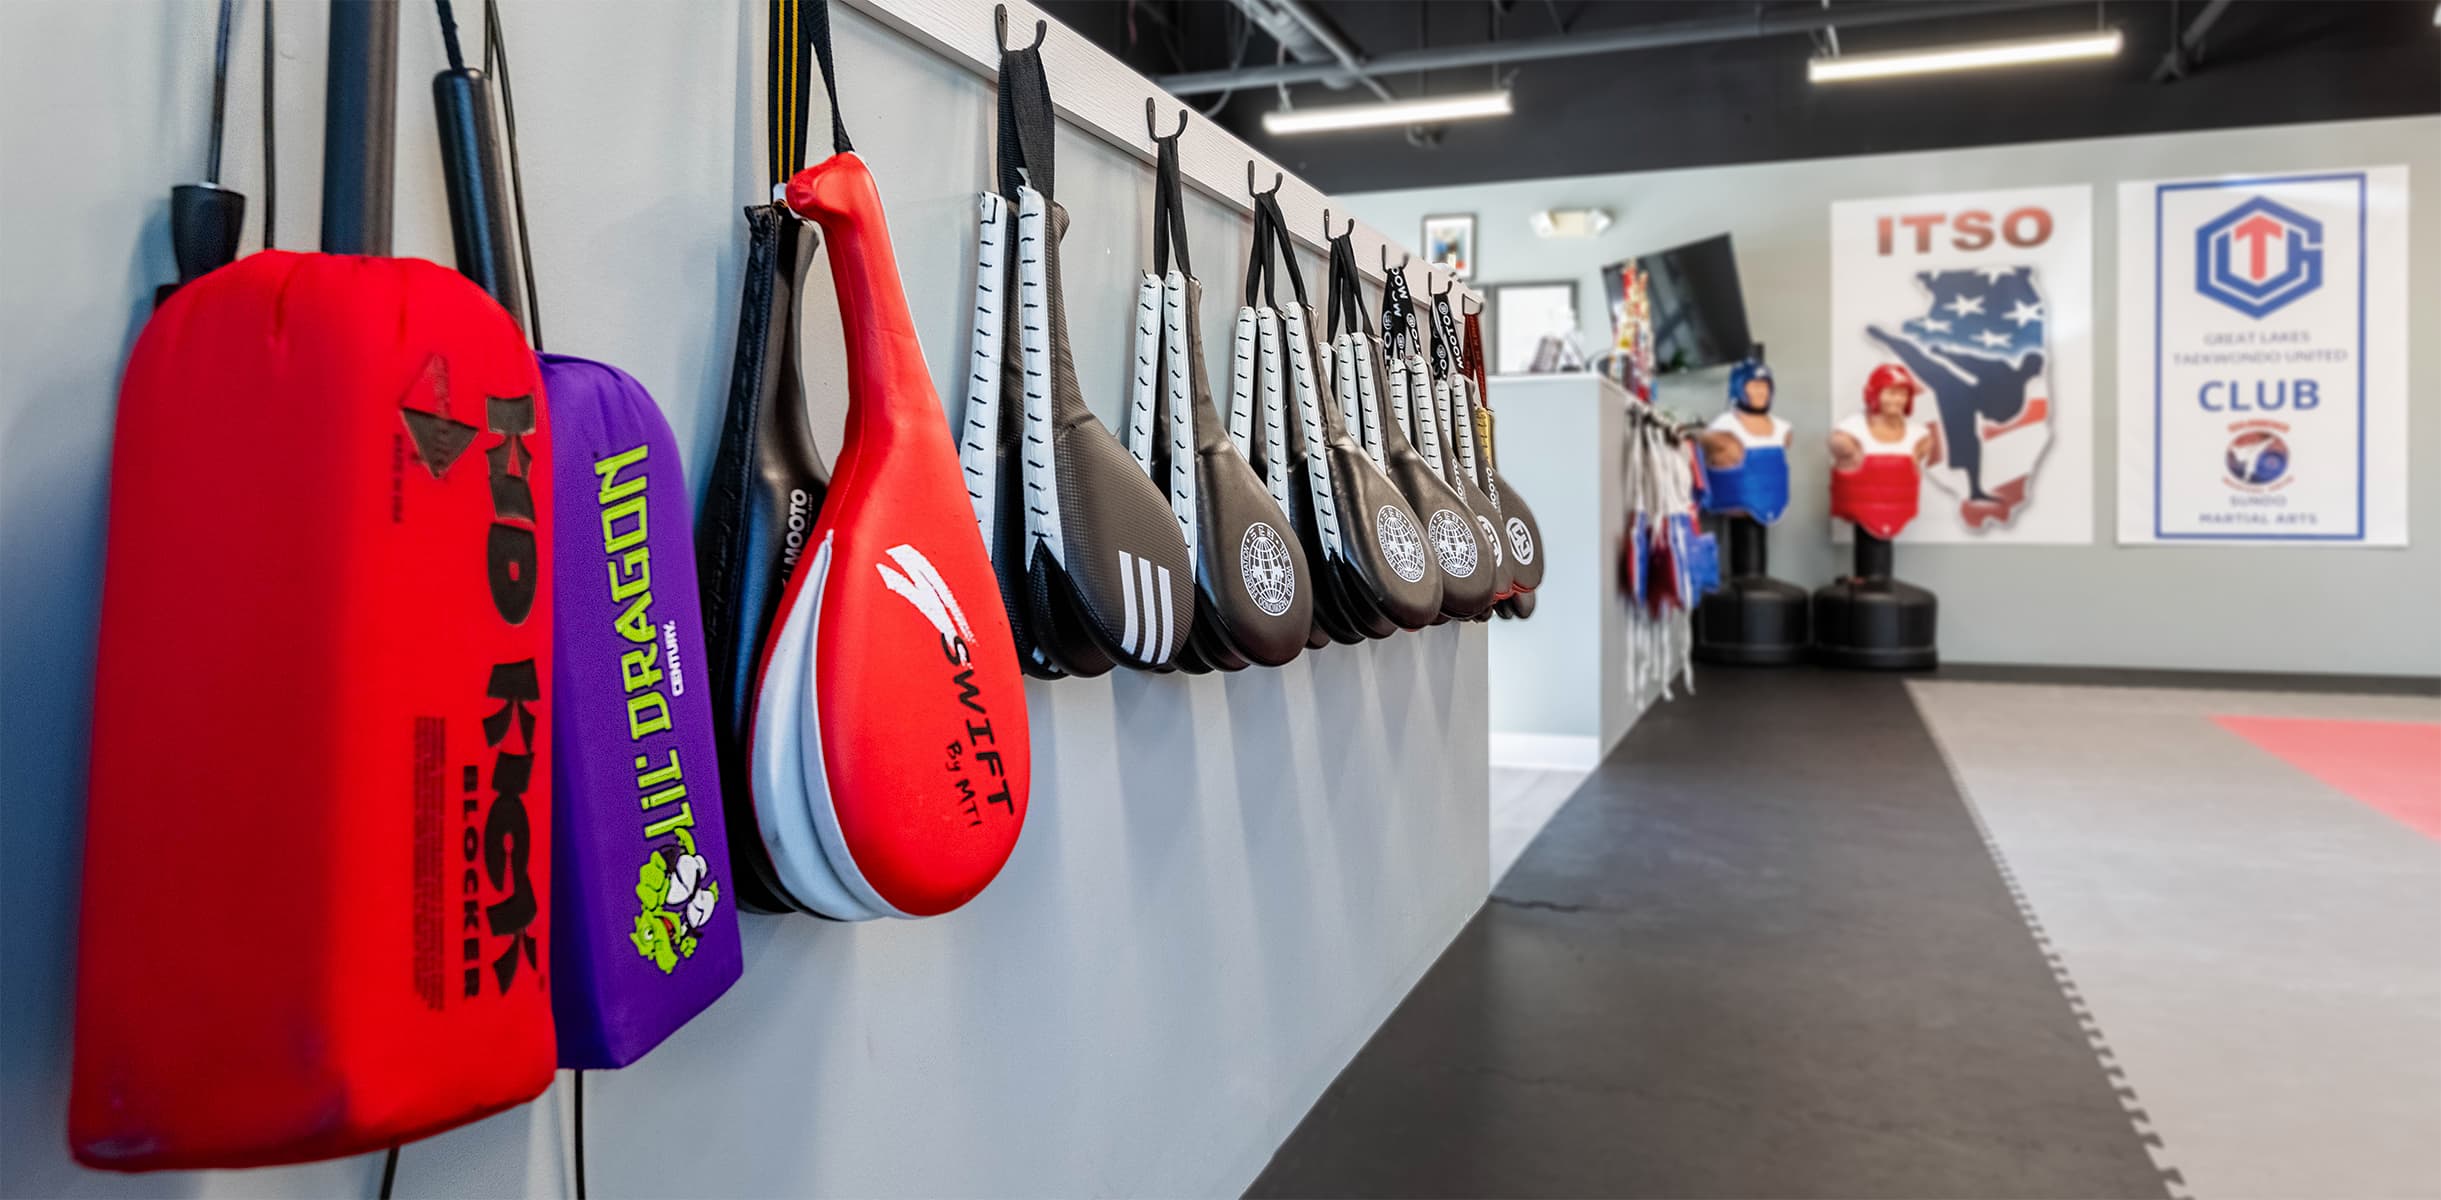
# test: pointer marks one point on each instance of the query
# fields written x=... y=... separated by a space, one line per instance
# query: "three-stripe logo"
x=1148 y=629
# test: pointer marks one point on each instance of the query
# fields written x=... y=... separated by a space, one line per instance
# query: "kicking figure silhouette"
x=1969 y=390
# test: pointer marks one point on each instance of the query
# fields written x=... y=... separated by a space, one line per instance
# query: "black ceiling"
x=2263 y=62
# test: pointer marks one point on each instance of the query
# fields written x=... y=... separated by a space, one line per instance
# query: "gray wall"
x=1568 y=672
x=2272 y=609
x=1226 y=883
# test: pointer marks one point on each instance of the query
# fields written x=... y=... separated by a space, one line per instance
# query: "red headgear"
x=1890 y=375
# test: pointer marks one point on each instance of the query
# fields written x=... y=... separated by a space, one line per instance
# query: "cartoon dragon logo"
x=677 y=900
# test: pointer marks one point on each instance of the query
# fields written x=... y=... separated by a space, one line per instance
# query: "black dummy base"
x=1753 y=620
x=1873 y=621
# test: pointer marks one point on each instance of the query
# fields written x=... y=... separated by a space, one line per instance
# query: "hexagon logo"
x=2258 y=257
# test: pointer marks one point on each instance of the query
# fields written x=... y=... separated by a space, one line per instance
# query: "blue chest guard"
x=1756 y=487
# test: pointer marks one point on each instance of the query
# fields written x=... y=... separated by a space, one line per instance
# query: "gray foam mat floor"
x=1763 y=951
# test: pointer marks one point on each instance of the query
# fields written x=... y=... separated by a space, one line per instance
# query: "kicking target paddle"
x=1099 y=556
x=767 y=479
x=1253 y=601
x=1467 y=568
x=1517 y=517
x=1434 y=390
x=361 y=706
x=1369 y=535
x=889 y=756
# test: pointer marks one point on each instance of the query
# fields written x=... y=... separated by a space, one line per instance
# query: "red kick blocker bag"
x=318 y=829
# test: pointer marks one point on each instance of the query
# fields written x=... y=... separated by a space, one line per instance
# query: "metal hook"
x=1155 y=130
x=1326 y=227
x=1000 y=29
x=1277 y=177
x=1429 y=268
x=1403 y=258
x=1465 y=299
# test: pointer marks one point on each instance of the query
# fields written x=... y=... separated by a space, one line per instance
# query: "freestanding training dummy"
x=1753 y=618
x=1877 y=460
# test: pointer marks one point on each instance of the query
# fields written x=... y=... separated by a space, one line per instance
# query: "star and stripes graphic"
x=1987 y=312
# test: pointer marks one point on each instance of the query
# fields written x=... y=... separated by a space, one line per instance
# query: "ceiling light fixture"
x=1395 y=112
x=1964 y=58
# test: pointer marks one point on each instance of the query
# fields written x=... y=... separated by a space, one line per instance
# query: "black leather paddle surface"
x=1262 y=370
x=1468 y=570
x=767 y=479
x=1253 y=599
x=1094 y=568
x=1525 y=537
x=1372 y=542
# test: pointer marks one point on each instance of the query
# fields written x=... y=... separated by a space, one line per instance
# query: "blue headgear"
x=1745 y=372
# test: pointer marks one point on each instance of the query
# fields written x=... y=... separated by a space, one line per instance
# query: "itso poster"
x=1987 y=299
x=2263 y=359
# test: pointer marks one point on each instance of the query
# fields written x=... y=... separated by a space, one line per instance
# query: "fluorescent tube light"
x=1394 y=112
x=1963 y=58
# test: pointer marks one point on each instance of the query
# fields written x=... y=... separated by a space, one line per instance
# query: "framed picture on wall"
x=1523 y=314
x=1449 y=241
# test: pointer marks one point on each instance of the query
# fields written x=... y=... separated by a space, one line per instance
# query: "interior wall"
x=1565 y=686
x=2349 y=610
x=1226 y=883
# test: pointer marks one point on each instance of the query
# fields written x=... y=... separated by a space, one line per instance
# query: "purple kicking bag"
x=645 y=930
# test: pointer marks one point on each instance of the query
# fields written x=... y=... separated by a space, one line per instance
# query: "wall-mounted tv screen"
x=1699 y=314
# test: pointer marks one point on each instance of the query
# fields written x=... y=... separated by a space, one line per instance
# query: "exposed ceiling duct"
x=1344 y=64
x=1307 y=38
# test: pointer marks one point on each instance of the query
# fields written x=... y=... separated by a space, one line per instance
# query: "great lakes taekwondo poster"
x=2263 y=359
x=1987 y=299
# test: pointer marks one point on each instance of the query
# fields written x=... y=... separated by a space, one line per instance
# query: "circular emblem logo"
x=2257 y=458
x=1491 y=537
x=1452 y=543
x=1395 y=531
x=1263 y=565
x=1521 y=540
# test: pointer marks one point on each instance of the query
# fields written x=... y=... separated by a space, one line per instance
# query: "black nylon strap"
x=1025 y=117
x=496 y=54
x=1287 y=247
x=1169 y=207
x=1259 y=291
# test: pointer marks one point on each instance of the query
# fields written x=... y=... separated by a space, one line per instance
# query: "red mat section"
x=2393 y=766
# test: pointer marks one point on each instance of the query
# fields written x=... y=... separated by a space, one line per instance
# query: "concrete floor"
x=1771 y=947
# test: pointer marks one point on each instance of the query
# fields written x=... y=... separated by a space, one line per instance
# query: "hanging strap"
x=496 y=67
x=1287 y=248
x=1444 y=337
x=1026 y=120
x=1169 y=199
x=1259 y=275
x=271 y=143
x=800 y=40
x=1398 y=314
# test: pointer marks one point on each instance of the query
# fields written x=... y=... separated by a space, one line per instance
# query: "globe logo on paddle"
x=1452 y=543
x=1400 y=544
x=1262 y=564
x=2257 y=458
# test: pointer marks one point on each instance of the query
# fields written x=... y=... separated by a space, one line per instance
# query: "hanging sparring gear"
x=1267 y=433
x=890 y=757
x=1253 y=595
x=1516 y=516
x=1449 y=439
x=1879 y=495
x=1368 y=534
x=641 y=893
x=1468 y=567
x=1757 y=484
x=361 y=706
x=641 y=882
x=767 y=480
x=1100 y=561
